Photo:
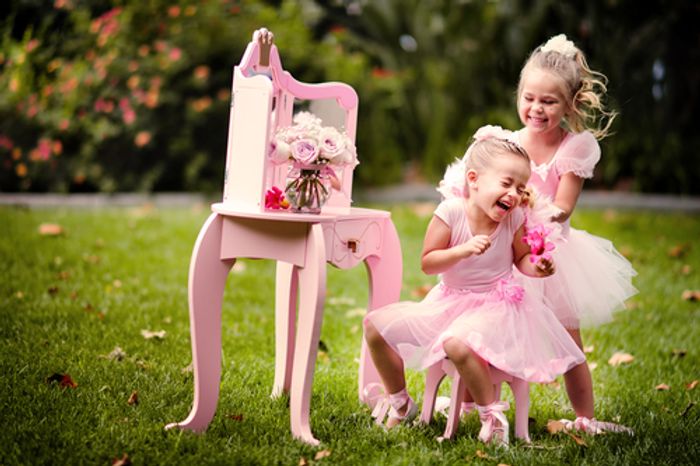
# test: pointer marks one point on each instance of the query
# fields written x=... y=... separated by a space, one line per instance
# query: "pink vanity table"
x=263 y=98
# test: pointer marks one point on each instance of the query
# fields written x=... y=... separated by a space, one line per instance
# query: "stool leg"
x=456 y=398
x=521 y=393
x=433 y=377
x=207 y=280
x=286 y=286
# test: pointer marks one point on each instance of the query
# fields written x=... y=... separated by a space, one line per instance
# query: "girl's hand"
x=544 y=267
x=477 y=245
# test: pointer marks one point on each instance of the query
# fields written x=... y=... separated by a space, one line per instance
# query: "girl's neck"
x=541 y=147
x=479 y=222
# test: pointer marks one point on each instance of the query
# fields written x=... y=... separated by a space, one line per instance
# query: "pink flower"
x=536 y=238
x=305 y=150
x=491 y=131
x=274 y=199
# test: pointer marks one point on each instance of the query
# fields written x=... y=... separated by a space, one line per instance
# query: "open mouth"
x=504 y=205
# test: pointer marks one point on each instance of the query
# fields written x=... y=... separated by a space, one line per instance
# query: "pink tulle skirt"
x=512 y=331
x=591 y=282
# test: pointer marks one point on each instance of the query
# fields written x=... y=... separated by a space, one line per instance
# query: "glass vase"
x=308 y=188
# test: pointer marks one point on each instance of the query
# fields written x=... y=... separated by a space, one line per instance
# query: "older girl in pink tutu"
x=478 y=315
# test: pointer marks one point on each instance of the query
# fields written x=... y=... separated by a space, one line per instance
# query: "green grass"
x=67 y=301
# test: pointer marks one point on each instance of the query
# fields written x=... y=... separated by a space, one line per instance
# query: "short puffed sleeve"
x=578 y=154
x=448 y=210
x=517 y=218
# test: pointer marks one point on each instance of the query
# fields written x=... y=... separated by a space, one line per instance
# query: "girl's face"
x=541 y=104
x=499 y=188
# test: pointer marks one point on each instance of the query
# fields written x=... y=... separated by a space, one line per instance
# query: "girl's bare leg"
x=473 y=370
x=579 y=383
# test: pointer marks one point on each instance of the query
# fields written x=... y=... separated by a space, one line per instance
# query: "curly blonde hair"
x=583 y=89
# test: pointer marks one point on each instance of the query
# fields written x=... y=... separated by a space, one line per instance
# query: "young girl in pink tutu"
x=563 y=116
x=478 y=314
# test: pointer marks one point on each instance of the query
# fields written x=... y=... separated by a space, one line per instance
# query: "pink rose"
x=305 y=150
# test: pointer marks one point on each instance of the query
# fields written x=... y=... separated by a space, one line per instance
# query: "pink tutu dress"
x=479 y=302
x=592 y=279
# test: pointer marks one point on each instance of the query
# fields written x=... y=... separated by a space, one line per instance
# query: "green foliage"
x=129 y=95
x=67 y=301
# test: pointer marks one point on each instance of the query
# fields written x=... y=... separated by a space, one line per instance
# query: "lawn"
x=84 y=384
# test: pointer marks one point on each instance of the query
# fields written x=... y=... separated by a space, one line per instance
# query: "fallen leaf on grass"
x=662 y=387
x=482 y=455
x=50 y=229
x=63 y=275
x=133 y=398
x=303 y=462
x=691 y=295
x=588 y=349
x=579 y=441
x=421 y=291
x=64 y=380
x=235 y=417
x=117 y=354
x=620 y=358
x=322 y=454
x=554 y=427
x=592 y=366
x=123 y=461
x=692 y=385
x=679 y=353
x=679 y=250
x=150 y=334
x=686 y=269
x=53 y=290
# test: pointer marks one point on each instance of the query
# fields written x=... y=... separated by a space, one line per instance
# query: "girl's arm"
x=437 y=254
x=569 y=189
x=521 y=258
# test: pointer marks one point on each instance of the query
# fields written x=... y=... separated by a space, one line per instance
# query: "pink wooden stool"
x=263 y=98
x=437 y=372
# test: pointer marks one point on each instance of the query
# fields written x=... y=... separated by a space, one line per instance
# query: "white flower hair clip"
x=491 y=131
x=560 y=44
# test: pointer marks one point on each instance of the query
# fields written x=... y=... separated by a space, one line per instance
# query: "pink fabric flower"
x=491 y=131
x=274 y=199
x=510 y=291
x=536 y=238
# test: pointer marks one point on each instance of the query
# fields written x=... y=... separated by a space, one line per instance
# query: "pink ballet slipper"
x=494 y=425
x=390 y=406
x=594 y=427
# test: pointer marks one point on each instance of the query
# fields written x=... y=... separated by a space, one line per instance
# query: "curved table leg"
x=312 y=289
x=286 y=284
x=207 y=280
x=385 y=274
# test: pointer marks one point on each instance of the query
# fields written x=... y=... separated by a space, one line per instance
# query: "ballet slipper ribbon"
x=380 y=401
x=488 y=415
x=594 y=427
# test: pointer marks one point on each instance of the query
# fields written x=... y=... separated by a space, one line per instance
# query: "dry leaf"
x=133 y=398
x=303 y=462
x=239 y=267
x=149 y=334
x=577 y=439
x=691 y=295
x=692 y=385
x=64 y=380
x=679 y=250
x=63 y=275
x=53 y=290
x=322 y=454
x=554 y=427
x=592 y=366
x=620 y=358
x=421 y=291
x=588 y=349
x=482 y=455
x=235 y=417
x=679 y=353
x=117 y=354
x=686 y=269
x=123 y=461
x=662 y=387
x=50 y=229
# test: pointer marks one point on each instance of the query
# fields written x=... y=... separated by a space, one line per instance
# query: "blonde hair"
x=482 y=152
x=584 y=89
